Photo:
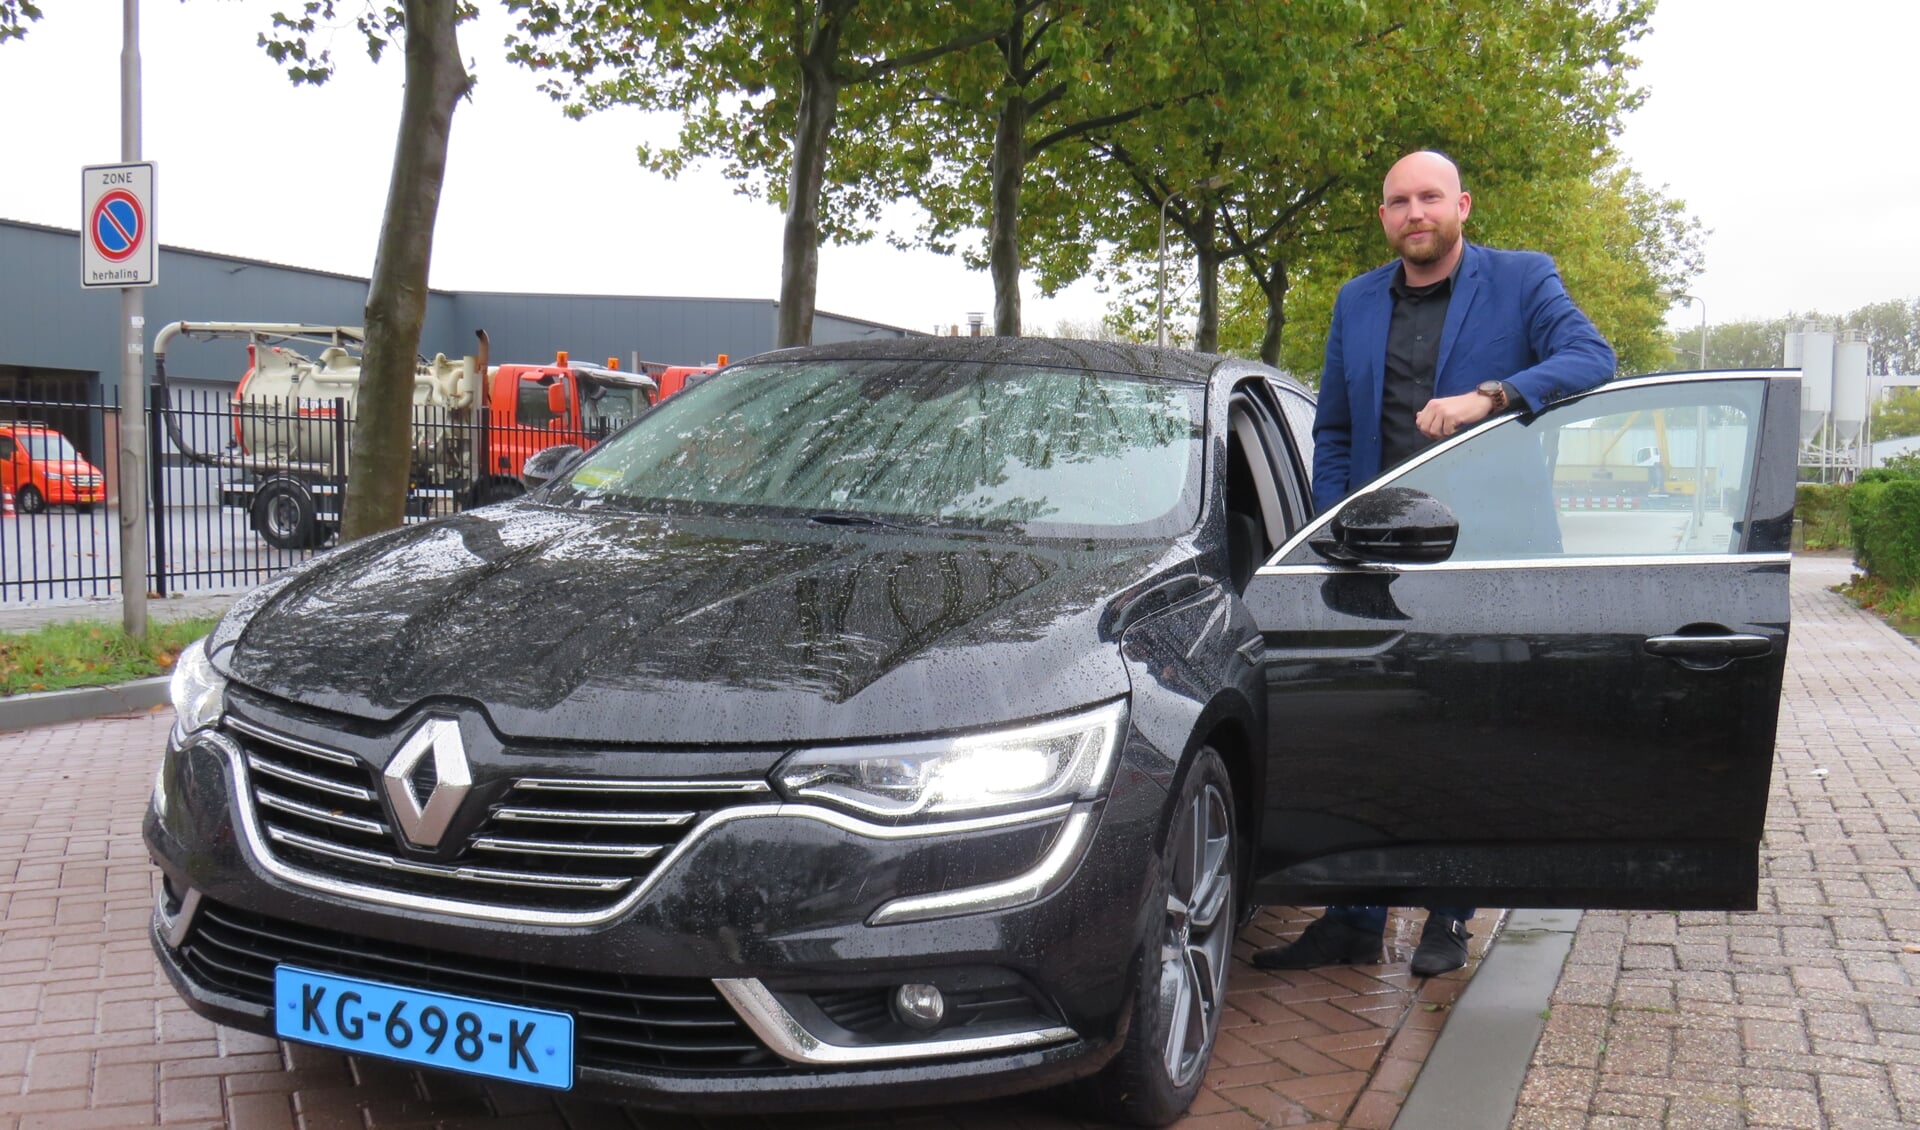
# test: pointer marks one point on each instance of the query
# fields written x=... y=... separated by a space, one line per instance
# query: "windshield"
x=1047 y=452
x=50 y=447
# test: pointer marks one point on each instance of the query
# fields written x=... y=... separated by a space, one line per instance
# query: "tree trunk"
x=1003 y=233
x=812 y=130
x=382 y=448
x=1273 y=283
x=1206 y=331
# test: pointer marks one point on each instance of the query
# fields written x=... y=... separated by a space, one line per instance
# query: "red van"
x=42 y=469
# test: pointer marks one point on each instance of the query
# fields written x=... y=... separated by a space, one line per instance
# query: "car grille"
x=552 y=844
x=621 y=1022
x=84 y=480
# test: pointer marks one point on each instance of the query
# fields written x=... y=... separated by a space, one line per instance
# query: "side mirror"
x=557 y=398
x=549 y=463
x=1394 y=525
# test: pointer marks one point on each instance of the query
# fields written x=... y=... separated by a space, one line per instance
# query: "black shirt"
x=1413 y=352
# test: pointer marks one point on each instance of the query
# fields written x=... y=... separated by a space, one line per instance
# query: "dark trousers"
x=1373 y=919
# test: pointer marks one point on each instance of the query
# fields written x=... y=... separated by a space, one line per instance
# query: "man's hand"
x=1446 y=415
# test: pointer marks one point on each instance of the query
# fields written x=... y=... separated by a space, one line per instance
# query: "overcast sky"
x=1779 y=124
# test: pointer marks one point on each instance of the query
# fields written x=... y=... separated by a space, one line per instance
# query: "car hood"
x=627 y=628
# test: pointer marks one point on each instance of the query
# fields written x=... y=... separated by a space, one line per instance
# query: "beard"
x=1446 y=234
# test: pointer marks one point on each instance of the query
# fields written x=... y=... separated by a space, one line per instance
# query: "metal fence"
x=237 y=493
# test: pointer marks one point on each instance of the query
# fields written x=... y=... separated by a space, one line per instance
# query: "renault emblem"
x=425 y=805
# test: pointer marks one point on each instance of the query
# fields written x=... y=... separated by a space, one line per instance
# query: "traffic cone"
x=6 y=504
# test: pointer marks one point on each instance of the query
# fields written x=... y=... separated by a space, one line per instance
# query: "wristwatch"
x=1495 y=391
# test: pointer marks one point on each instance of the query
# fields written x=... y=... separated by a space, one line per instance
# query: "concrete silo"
x=1814 y=348
x=1849 y=388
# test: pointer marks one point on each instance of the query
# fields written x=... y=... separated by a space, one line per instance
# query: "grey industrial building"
x=59 y=343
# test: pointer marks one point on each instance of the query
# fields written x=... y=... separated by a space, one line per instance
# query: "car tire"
x=29 y=500
x=283 y=514
x=1181 y=979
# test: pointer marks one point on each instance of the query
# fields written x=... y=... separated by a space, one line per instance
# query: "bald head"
x=1424 y=166
x=1422 y=208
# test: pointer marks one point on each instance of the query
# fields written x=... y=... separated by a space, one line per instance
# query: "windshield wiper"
x=847 y=518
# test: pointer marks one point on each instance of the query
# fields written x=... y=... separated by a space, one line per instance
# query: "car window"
x=7 y=447
x=1656 y=470
x=533 y=409
x=1050 y=452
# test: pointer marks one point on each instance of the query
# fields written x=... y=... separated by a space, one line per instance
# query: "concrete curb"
x=50 y=708
x=1472 y=1077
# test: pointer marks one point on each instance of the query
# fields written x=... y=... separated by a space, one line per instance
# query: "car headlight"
x=1066 y=759
x=56 y=477
x=199 y=692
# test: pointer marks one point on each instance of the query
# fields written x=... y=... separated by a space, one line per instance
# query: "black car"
x=915 y=721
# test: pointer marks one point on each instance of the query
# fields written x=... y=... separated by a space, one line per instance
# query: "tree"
x=1892 y=332
x=1734 y=345
x=1022 y=108
x=14 y=17
x=1623 y=250
x=766 y=85
x=1277 y=106
x=1525 y=90
x=382 y=447
x=1898 y=414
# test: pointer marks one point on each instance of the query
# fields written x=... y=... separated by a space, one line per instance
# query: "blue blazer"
x=1509 y=320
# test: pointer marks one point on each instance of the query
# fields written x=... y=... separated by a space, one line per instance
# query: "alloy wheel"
x=1198 y=939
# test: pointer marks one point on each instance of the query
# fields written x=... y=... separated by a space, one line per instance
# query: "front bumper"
x=68 y=494
x=771 y=909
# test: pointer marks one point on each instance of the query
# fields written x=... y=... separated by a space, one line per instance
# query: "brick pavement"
x=1806 y=1013
x=92 y=1035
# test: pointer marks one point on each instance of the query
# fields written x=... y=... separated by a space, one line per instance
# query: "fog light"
x=919 y=1006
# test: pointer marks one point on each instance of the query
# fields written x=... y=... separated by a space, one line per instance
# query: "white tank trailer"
x=284 y=411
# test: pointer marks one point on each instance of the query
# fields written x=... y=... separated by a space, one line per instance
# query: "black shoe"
x=1325 y=941
x=1443 y=946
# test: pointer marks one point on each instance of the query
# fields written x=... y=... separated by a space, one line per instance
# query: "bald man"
x=1442 y=337
x=1435 y=341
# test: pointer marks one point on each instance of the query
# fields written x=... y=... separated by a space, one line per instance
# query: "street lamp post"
x=1160 y=302
x=1703 y=324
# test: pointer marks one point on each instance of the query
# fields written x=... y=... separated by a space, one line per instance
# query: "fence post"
x=156 y=466
x=342 y=429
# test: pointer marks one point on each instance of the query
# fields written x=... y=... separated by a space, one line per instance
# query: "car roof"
x=1065 y=353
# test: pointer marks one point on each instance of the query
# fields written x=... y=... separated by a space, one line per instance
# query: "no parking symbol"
x=117 y=244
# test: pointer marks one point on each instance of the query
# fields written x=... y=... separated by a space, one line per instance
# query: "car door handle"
x=1717 y=650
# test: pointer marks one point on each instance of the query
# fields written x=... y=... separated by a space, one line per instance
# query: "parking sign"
x=116 y=226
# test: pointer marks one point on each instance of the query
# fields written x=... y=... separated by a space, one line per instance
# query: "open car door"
x=1568 y=700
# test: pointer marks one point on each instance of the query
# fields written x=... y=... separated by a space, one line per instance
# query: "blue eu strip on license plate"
x=526 y=1045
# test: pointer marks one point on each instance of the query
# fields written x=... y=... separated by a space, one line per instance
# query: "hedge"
x=1884 y=518
x=1822 y=510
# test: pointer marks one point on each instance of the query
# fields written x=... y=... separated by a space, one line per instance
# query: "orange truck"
x=474 y=424
x=41 y=469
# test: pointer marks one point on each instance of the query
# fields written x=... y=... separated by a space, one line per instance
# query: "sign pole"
x=133 y=427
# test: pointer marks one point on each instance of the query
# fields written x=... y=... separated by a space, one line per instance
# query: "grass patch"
x=83 y=654
x=1897 y=605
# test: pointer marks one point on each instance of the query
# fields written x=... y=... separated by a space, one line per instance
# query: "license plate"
x=526 y=1045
